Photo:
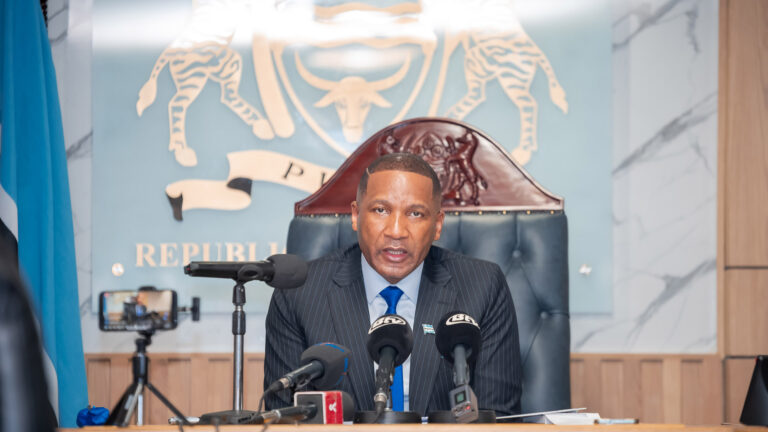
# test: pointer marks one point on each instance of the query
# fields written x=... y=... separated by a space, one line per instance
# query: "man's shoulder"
x=338 y=263
x=321 y=272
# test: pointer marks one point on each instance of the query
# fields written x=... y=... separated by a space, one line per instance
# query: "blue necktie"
x=392 y=295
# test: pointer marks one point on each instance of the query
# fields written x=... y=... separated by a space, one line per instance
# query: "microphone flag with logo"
x=314 y=407
x=458 y=328
x=333 y=407
x=390 y=331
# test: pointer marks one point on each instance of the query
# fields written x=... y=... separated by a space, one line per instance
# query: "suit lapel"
x=435 y=300
x=351 y=321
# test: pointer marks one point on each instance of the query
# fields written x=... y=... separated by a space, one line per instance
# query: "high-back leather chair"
x=494 y=211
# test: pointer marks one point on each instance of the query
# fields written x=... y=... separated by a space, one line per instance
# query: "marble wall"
x=664 y=187
x=665 y=61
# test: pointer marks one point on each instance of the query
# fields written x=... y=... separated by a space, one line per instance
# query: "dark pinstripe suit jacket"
x=332 y=307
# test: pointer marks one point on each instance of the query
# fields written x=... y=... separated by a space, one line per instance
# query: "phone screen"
x=137 y=310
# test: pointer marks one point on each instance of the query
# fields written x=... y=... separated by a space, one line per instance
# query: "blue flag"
x=34 y=197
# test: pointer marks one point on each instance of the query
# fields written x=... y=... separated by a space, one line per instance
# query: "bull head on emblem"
x=352 y=96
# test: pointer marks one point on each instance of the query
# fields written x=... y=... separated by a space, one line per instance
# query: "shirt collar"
x=374 y=282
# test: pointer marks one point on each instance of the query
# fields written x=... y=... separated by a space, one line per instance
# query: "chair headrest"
x=475 y=173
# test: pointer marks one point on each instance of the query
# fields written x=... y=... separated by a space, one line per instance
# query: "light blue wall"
x=658 y=249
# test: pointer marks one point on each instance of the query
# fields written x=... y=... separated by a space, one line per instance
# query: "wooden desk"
x=500 y=427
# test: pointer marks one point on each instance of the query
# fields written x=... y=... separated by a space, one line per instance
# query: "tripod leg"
x=140 y=409
x=123 y=411
x=168 y=403
x=119 y=406
x=132 y=402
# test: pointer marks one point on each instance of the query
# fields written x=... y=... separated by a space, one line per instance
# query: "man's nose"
x=396 y=226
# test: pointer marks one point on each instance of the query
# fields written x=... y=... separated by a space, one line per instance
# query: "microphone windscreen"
x=290 y=271
x=335 y=361
x=348 y=403
x=458 y=328
x=390 y=330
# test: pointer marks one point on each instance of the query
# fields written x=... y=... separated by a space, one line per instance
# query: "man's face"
x=396 y=222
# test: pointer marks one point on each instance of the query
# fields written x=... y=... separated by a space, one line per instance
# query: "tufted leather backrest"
x=521 y=227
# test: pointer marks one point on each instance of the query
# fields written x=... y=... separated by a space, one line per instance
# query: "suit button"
x=544 y=315
x=516 y=254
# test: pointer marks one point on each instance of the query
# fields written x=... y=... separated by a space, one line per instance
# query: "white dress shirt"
x=406 y=306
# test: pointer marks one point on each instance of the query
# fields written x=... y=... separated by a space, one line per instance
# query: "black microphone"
x=458 y=339
x=390 y=341
x=279 y=271
x=324 y=363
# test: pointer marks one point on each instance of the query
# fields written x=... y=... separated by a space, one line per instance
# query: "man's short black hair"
x=407 y=162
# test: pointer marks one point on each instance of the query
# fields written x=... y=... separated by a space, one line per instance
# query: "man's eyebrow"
x=422 y=207
x=379 y=202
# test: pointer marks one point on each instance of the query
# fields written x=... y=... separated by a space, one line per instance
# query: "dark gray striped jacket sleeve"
x=496 y=377
x=284 y=345
x=296 y=319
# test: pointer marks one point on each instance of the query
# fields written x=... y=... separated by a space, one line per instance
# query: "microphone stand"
x=237 y=415
x=383 y=403
x=463 y=399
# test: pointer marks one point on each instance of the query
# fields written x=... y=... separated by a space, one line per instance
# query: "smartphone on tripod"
x=145 y=309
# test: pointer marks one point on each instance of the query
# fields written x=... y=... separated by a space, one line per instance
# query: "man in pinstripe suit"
x=397 y=216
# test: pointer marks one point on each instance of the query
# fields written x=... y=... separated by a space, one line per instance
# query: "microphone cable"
x=261 y=405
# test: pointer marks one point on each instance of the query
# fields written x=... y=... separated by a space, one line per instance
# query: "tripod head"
x=144 y=341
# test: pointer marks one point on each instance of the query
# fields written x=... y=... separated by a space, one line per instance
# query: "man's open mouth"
x=395 y=254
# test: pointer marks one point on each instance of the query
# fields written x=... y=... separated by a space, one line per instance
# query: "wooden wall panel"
x=172 y=377
x=742 y=194
x=199 y=383
x=218 y=378
x=254 y=385
x=195 y=383
x=651 y=404
x=584 y=377
x=612 y=383
x=738 y=373
x=671 y=390
x=630 y=385
x=120 y=376
x=654 y=388
x=745 y=112
x=702 y=379
x=746 y=320
x=98 y=373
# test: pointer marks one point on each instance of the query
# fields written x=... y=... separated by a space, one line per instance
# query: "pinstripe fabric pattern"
x=331 y=307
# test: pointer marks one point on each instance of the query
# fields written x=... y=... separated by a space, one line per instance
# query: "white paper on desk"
x=571 y=419
x=539 y=414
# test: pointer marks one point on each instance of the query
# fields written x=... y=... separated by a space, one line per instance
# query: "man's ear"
x=439 y=225
x=354 y=214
